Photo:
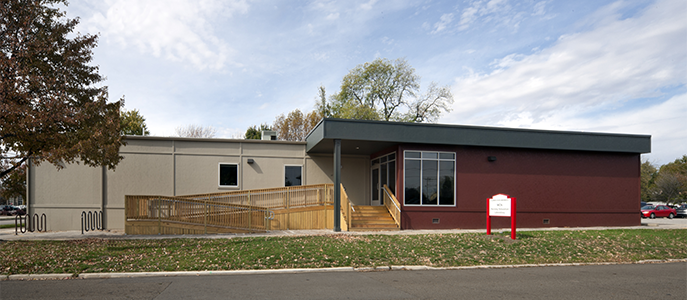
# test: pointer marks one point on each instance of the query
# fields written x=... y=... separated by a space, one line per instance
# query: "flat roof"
x=211 y=140
x=367 y=137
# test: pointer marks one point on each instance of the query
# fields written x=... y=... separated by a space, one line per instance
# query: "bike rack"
x=92 y=220
x=28 y=223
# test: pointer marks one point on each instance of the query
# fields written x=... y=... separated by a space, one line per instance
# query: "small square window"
x=293 y=175
x=229 y=175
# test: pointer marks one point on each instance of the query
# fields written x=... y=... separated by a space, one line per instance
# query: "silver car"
x=681 y=211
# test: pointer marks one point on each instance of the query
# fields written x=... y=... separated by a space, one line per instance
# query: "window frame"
x=284 y=174
x=219 y=175
x=388 y=161
x=438 y=160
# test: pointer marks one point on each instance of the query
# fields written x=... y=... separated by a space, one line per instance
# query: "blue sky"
x=606 y=66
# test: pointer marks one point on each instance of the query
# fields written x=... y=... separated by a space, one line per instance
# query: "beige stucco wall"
x=65 y=193
x=176 y=166
x=355 y=175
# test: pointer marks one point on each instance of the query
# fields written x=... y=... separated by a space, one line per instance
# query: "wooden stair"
x=372 y=218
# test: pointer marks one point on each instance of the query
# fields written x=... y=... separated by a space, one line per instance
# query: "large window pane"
x=228 y=175
x=412 y=182
x=446 y=183
x=447 y=155
x=434 y=173
x=383 y=179
x=375 y=184
x=429 y=155
x=412 y=154
x=429 y=182
x=292 y=175
x=392 y=177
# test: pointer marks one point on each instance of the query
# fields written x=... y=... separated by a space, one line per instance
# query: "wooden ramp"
x=371 y=218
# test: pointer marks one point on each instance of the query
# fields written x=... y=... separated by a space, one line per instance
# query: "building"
x=440 y=174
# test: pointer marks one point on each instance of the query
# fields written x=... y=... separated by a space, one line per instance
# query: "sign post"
x=501 y=205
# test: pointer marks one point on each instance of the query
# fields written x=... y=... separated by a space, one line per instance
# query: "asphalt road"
x=635 y=281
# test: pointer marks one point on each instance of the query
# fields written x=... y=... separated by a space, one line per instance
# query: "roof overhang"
x=366 y=137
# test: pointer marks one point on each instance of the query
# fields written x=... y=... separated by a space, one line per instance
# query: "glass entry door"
x=376 y=188
x=383 y=172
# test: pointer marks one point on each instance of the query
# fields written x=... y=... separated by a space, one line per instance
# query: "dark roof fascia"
x=443 y=134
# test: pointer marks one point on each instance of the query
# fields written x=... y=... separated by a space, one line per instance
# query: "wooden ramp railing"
x=346 y=210
x=301 y=207
x=392 y=205
x=274 y=198
x=175 y=215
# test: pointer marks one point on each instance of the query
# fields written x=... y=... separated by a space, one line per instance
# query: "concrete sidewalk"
x=9 y=234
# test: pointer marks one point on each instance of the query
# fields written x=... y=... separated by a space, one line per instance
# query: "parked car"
x=19 y=211
x=8 y=210
x=661 y=211
x=681 y=211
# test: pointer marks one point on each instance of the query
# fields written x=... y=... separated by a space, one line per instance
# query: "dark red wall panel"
x=569 y=188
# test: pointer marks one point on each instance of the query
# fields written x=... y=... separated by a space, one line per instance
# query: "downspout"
x=103 y=196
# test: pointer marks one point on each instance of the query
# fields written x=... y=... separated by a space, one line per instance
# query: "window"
x=429 y=178
x=293 y=175
x=383 y=173
x=228 y=175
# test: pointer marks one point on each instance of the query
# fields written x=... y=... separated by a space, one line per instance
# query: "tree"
x=296 y=126
x=322 y=107
x=195 y=131
x=428 y=107
x=678 y=166
x=648 y=174
x=14 y=184
x=255 y=133
x=52 y=106
x=671 y=182
x=133 y=123
x=670 y=188
x=388 y=91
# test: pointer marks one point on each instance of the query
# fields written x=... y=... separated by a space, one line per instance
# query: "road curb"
x=312 y=270
x=207 y=273
x=58 y=276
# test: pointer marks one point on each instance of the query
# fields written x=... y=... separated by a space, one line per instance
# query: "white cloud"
x=178 y=30
x=443 y=22
x=588 y=77
x=498 y=10
x=539 y=8
x=387 y=40
x=368 y=5
x=333 y=16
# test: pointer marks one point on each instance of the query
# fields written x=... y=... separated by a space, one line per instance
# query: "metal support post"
x=337 y=185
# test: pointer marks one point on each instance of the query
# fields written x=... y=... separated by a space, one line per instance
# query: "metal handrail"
x=386 y=191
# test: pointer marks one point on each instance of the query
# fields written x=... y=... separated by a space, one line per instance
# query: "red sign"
x=501 y=205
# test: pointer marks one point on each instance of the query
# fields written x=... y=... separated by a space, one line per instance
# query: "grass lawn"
x=340 y=250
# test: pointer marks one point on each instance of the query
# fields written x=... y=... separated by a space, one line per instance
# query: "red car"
x=651 y=211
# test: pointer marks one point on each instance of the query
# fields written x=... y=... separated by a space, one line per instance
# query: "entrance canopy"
x=366 y=137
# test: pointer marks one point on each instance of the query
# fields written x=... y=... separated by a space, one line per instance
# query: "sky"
x=594 y=66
